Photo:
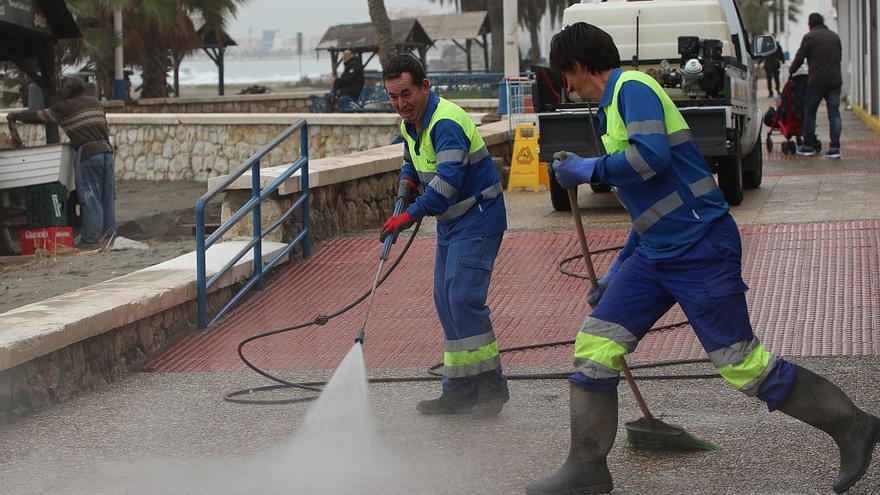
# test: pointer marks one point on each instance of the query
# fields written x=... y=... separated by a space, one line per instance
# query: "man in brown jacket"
x=82 y=119
x=822 y=49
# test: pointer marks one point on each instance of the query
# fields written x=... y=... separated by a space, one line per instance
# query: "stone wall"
x=93 y=363
x=294 y=102
x=196 y=147
x=357 y=204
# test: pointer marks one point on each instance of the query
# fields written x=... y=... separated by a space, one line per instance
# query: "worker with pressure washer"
x=445 y=155
x=684 y=248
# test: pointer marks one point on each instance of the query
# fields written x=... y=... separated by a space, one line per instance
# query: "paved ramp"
x=815 y=291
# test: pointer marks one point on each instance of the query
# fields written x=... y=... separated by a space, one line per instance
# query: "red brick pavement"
x=815 y=292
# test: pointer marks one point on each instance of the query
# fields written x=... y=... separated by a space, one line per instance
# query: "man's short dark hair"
x=404 y=62
x=74 y=85
x=584 y=43
x=815 y=19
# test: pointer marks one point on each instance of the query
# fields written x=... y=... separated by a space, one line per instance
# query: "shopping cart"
x=520 y=106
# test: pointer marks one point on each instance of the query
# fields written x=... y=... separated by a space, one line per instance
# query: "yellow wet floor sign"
x=526 y=171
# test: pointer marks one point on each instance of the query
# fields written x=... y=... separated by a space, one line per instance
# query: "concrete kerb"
x=869 y=120
x=40 y=328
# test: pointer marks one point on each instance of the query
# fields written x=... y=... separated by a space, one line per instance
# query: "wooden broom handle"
x=591 y=272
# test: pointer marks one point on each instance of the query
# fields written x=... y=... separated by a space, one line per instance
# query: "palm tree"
x=153 y=30
x=379 y=16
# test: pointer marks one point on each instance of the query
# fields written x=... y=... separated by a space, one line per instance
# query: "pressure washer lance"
x=403 y=192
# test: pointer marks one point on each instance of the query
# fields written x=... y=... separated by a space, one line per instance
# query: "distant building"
x=861 y=53
x=270 y=41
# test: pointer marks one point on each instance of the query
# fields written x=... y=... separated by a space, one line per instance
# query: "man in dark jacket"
x=822 y=50
x=351 y=82
x=772 y=63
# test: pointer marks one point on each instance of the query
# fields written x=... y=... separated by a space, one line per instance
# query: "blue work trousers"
x=706 y=281
x=462 y=271
x=96 y=188
x=815 y=95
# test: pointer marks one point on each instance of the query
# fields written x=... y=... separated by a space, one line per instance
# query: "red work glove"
x=395 y=225
x=408 y=190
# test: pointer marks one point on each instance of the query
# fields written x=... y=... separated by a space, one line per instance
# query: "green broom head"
x=653 y=434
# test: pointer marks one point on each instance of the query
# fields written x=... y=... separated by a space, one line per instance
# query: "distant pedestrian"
x=351 y=82
x=771 y=64
x=82 y=119
x=822 y=50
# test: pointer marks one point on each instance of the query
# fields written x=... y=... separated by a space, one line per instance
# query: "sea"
x=197 y=71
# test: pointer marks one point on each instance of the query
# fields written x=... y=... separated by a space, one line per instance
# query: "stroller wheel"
x=769 y=144
x=800 y=141
x=785 y=147
x=818 y=146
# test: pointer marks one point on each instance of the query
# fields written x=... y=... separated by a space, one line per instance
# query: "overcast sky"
x=314 y=17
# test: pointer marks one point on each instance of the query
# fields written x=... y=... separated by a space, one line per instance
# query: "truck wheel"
x=600 y=188
x=730 y=177
x=558 y=196
x=753 y=167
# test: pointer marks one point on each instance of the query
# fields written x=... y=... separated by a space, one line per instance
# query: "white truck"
x=700 y=53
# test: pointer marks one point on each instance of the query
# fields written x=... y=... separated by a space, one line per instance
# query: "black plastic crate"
x=47 y=205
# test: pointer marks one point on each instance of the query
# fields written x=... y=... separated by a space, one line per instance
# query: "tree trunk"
x=535 y=50
x=155 y=76
x=379 y=16
x=495 y=9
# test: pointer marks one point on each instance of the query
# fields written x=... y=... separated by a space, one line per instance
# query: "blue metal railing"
x=252 y=164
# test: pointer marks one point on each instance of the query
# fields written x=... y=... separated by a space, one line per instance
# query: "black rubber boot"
x=492 y=394
x=819 y=403
x=447 y=404
x=593 y=428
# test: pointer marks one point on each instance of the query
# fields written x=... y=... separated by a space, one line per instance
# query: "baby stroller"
x=788 y=116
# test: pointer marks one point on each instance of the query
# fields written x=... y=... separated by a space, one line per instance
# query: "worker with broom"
x=445 y=155
x=684 y=247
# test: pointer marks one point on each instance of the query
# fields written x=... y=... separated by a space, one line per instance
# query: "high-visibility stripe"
x=469 y=343
x=734 y=353
x=594 y=370
x=680 y=137
x=457 y=156
x=462 y=207
x=473 y=360
x=611 y=331
x=461 y=358
x=600 y=350
x=426 y=177
x=705 y=185
x=443 y=187
x=645 y=127
x=752 y=368
x=638 y=163
x=657 y=211
x=478 y=155
x=753 y=386
x=467 y=370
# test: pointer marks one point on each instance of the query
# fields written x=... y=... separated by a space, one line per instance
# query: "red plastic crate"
x=47 y=238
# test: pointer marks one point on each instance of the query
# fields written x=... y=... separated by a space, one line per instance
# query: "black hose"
x=239 y=396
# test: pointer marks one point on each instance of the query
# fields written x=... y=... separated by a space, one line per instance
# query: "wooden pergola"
x=408 y=36
x=215 y=48
x=29 y=31
x=468 y=27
